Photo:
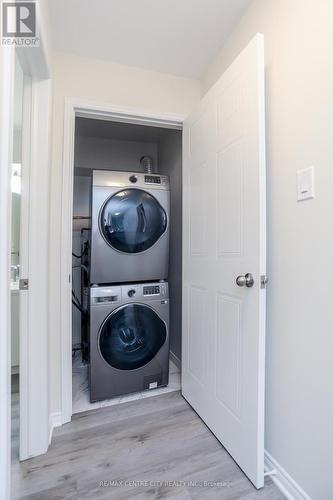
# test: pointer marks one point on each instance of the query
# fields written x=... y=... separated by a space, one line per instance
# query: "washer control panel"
x=123 y=294
x=145 y=291
x=151 y=290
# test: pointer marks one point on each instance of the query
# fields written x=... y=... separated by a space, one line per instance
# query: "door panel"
x=198 y=218
x=228 y=354
x=224 y=237
x=196 y=348
x=230 y=201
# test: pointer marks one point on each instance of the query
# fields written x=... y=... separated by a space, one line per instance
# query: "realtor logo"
x=19 y=23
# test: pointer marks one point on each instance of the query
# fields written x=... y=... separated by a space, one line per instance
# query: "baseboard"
x=54 y=421
x=175 y=360
x=283 y=481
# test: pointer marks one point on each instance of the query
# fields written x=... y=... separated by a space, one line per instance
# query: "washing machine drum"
x=132 y=220
x=131 y=337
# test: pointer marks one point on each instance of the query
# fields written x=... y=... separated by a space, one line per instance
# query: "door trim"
x=34 y=366
x=24 y=271
x=6 y=95
x=99 y=111
x=33 y=374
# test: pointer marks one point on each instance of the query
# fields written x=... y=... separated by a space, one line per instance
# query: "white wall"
x=106 y=83
x=299 y=90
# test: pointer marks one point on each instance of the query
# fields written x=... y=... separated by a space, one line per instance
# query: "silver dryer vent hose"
x=146 y=163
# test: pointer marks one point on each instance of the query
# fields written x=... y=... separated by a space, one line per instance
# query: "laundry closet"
x=127 y=262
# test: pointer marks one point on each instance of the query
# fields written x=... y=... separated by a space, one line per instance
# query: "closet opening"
x=126 y=262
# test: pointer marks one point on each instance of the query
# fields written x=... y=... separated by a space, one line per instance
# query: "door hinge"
x=24 y=284
x=263 y=280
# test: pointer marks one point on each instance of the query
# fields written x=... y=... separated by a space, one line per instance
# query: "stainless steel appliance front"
x=130 y=227
x=129 y=339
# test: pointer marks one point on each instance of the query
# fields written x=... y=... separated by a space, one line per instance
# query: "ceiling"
x=172 y=36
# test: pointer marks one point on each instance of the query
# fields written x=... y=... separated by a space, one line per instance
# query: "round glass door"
x=132 y=221
x=131 y=337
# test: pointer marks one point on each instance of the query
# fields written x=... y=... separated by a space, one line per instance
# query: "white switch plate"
x=305 y=184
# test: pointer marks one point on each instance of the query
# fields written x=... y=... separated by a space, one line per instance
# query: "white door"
x=224 y=237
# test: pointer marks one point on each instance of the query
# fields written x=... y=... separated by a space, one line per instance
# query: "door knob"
x=246 y=280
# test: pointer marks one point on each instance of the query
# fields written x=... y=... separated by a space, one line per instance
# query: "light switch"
x=305 y=184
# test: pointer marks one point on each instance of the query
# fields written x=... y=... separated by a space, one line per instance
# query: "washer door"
x=131 y=336
x=132 y=220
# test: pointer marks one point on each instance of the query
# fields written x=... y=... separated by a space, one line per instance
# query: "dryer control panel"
x=160 y=180
x=118 y=180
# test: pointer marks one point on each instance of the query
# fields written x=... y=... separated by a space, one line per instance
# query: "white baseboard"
x=175 y=360
x=283 y=481
x=54 y=421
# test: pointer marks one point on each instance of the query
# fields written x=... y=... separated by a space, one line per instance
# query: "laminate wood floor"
x=160 y=441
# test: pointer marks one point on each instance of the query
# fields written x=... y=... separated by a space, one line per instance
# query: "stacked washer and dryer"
x=129 y=297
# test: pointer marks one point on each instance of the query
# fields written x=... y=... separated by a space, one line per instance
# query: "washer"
x=129 y=339
x=130 y=227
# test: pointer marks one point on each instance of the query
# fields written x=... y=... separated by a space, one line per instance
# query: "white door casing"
x=34 y=409
x=7 y=62
x=34 y=64
x=223 y=339
x=24 y=271
x=99 y=111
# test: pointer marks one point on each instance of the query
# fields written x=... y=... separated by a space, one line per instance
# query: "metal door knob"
x=246 y=280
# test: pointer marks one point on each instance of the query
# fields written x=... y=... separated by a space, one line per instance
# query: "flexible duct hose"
x=146 y=163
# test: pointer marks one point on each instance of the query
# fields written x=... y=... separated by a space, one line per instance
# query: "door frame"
x=34 y=425
x=34 y=376
x=7 y=62
x=96 y=110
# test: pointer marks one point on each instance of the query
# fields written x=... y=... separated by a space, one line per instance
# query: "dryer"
x=129 y=339
x=130 y=227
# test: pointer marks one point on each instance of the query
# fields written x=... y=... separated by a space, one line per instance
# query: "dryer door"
x=131 y=336
x=132 y=220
